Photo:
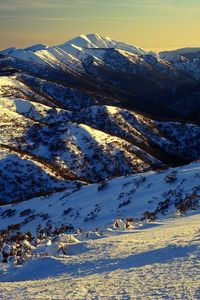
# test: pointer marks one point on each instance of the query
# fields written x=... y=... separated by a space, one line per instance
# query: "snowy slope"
x=173 y=54
x=189 y=66
x=9 y=84
x=87 y=152
x=15 y=87
x=95 y=143
x=91 y=207
x=23 y=177
x=172 y=137
x=186 y=60
x=46 y=92
x=36 y=111
x=159 y=261
x=22 y=54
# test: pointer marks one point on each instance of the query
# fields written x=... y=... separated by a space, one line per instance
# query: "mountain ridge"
x=162 y=79
x=110 y=112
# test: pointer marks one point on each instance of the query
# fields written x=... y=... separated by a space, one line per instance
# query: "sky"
x=153 y=24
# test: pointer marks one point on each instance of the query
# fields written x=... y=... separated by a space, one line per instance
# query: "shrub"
x=67 y=211
x=25 y=212
x=171 y=178
x=126 y=202
x=14 y=227
x=181 y=209
x=8 y=213
x=149 y=216
x=102 y=185
x=163 y=206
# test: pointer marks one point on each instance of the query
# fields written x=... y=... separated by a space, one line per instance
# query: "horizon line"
x=151 y=48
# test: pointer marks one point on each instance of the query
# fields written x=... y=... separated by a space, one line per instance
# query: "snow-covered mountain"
x=112 y=71
x=80 y=47
x=97 y=41
x=100 y=139
x=186 y=60
x=78 y=112
x=173 y=54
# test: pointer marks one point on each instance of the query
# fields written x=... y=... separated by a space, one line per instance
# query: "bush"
x=126 y=202
x=8 y=213
x=102 y=185
x=14 y=227
x=25 y=212
x=67 y=211
x=181 y=209
x=150 y=216
x=171 y=178
x=163 y=206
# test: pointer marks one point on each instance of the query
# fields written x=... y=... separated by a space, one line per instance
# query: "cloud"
x=15 y=5
x=24 y=5
x=192 y=4
x=93 y=18
x=48 y=4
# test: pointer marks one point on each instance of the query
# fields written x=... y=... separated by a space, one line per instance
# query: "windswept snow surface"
x=91 y=207
x=159 y=261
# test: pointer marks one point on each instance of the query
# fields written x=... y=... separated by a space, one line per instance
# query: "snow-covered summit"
x=72 y=53
x=97 y=41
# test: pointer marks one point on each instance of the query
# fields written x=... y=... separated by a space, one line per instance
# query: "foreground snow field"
x=91 y=206
x=158 y=261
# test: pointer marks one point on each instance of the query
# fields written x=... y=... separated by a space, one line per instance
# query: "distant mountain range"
x=116 y=71
x=93 y=108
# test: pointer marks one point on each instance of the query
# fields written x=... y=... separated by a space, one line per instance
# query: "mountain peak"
x=91 y=36
x=94 y=40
